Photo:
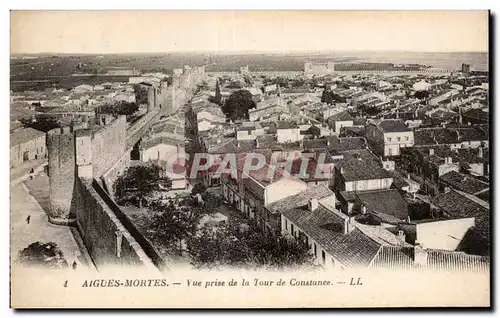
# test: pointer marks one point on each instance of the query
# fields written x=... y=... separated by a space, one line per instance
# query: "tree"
x=298 y=82
x=120 y=108
x=138 y=182
x=232 y=244
x=141 y=94
x=178 y=219
x=198 y=188
x=47 y=255
x=327 y=96
x=422 y=94
x=169 y=80
x=315 y=131
x=238 y=104
x=41 y=123
x=210 y=203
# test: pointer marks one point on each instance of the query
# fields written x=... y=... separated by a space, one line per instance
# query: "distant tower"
x=465 y=68
x=151 y=98
x=307 y=67
x=331 y=67
x=218 y=95
x=278 y=95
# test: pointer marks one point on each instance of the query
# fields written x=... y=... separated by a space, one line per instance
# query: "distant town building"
x=123 y=72
x=318 y=69
x=421 y=86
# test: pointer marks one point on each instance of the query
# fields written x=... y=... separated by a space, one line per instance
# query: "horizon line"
x=242 y=52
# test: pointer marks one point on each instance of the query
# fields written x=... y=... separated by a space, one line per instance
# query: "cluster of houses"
x=407 y=184
x=404 y=159
x=66 y=107
x=82 y=100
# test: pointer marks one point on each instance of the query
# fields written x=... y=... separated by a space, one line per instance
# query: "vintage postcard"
x=249 y=159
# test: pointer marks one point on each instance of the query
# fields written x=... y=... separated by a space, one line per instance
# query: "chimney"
x=313 y=204
x=431 y=152
x=448 y=160
x=419 y=255
x=480 y=152
x=349 y=225
x=257 y=144
x=402 y=236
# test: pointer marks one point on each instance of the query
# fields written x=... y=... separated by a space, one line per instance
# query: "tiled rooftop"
x=464 y=183
x=24 y=135
x=362 y=165
x=352 y=250
x=299 y=200
x=389 y=202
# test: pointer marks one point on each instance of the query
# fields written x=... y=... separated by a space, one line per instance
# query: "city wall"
x=107 y=238
x=108 y=145
x=85 y=161
x=321 y=72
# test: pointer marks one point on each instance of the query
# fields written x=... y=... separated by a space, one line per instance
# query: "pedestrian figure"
x=28 y=219
x=31 y=177
x=32 y=171
x=74 y=265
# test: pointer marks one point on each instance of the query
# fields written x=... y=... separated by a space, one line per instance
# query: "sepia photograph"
x=249 y=159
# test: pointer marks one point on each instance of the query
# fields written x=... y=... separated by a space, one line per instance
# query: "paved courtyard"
x=24 y=204
x=25 y=167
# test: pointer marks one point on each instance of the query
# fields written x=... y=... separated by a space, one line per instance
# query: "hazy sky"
x=168 y=31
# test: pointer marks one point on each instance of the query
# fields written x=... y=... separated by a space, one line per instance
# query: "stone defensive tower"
x=62 y=173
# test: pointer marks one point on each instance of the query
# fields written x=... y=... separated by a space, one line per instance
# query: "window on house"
x=292 y=229
x=389 y=138
x=390 y=151
x=315 y=250
x=213 y=181
x=286 y=225
x=407 y=138
x=399 y=138
x=323 y=257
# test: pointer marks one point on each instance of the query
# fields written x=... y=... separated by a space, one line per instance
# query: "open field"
x=44 y=70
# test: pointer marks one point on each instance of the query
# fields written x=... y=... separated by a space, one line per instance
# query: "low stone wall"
x=107 y=239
